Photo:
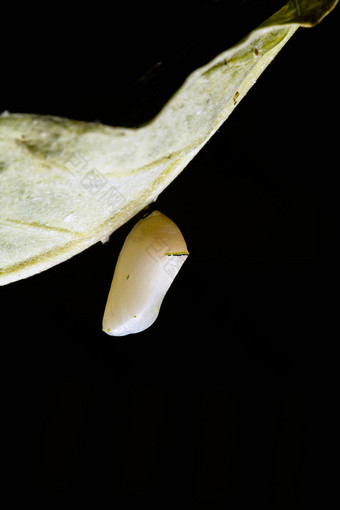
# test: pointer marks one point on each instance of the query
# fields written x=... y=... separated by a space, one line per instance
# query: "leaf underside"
x=65 y=184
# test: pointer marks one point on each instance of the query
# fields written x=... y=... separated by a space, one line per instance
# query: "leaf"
x=65 y=184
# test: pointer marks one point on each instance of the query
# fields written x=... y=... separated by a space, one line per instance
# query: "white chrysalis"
x=153 y=253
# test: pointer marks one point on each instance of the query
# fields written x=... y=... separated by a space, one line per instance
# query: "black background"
x=223 y=402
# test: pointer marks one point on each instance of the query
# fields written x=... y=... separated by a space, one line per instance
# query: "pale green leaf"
x=65 y=185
